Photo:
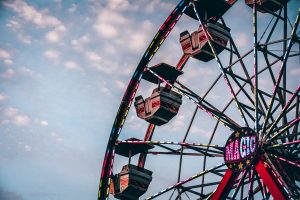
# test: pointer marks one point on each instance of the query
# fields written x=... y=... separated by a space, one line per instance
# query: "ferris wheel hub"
x=241 y=149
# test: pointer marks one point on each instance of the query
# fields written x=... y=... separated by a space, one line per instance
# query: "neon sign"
x=240 y=149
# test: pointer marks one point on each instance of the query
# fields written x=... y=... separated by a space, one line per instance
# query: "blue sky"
x=64 y=66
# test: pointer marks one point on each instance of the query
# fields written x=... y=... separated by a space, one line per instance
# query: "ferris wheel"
x=254 y=137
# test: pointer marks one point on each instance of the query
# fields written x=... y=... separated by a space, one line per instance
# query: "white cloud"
x=25 y=38
x=151 y=6
x=52 y=54
x=4 y=54
x=44 y=123
x=241 y=39
x=79 y=43
x=2 y=97
x=93 y=56
x=56 y=35
x=199 y=131
x=138 y=41
x=13 y=24
x=176 y=123
x=8 y=62
x=21 y=71
x=105 y=91
x=52 y=36
x=56 y=136
x=106 y=30
x=14 y=116
x=107 y=23
x=120 y=85
x=10 y=112
x=27 y=148
x=21 y=120
x=9 y=73
x=73 y=8
x=118 y=4
x=71 y=65
x=32 y=15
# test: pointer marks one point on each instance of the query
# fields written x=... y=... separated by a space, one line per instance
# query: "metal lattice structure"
x=261 y=153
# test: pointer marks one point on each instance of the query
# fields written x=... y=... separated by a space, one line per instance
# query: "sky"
x=64 y=66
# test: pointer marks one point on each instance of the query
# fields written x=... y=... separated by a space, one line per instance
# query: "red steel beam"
x=225 y=185
x=269 y=179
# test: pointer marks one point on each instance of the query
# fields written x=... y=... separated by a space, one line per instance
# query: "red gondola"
x=267 y=5
x=197 y=44
x=160 y=107
x=131 y=183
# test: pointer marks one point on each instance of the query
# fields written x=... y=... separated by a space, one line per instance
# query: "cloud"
x=14 y=25
x=56 y=35
x=52 y=54
x=9 y=73
x=32 y=15
x=73 y=8
x=41 y=18
x=93 y=56
x=52 y=36
x=118 y=4
x=10 y=112
x=22 y=71
x=21 y=120
x=120 y=85
x=24 y=38
x=27 y=148
x=241 y=39
x=199 y=131
x=56 y=136
x=44 y=123
x=79 y=43
x=2 y=97
x=71 y=65
x=8 y=62
x=138 y=40
x=107 y=23
x=4 y=54
x=14 y=116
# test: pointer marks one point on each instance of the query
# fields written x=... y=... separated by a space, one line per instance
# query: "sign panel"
x=240 y=149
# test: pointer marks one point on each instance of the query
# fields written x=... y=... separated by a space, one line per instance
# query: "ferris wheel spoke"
x=219 y=64
x=282 y=69
x=200 y=149
x=261 y=187
x=239 y=184
x=283 y=145
x=292 y=162
x=151 y=127
x=179 y=184
x=285 y=108
x=284 y=128
x=128 y=97
x=250 y=186
x=202 y=104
